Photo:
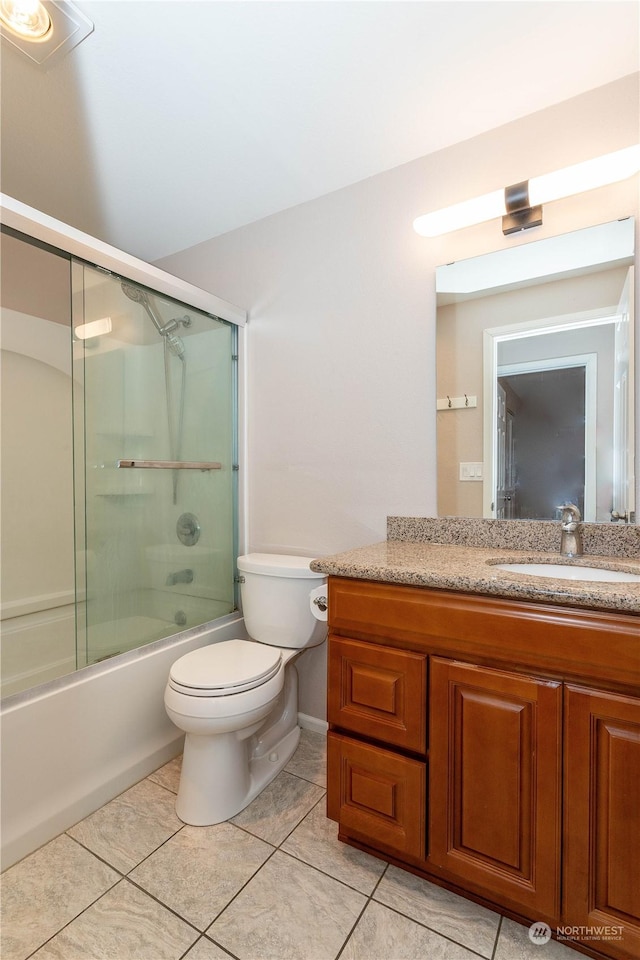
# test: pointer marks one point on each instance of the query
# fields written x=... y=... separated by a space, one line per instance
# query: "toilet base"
x=222 y=773
x=206 y=795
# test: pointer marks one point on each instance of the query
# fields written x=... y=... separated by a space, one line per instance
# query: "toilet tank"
x=276 y=601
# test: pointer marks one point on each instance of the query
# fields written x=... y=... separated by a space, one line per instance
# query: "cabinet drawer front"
x=377 y=794
x=379 y=692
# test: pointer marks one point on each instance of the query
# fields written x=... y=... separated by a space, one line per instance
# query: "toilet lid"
x=224 y=668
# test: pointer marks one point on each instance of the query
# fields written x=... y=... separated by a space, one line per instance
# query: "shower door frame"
x=64 y=238
x=36 y=227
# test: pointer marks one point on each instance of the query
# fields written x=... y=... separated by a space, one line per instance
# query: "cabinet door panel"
x=602 y=790
x=376 y=794
x=495 y=752
x=491 y=734
x=378 y=692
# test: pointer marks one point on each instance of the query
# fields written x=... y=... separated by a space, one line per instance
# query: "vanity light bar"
x=520 y=204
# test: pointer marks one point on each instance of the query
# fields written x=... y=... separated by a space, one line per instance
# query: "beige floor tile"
x=125 y=924
x=289 y=911
x=514 y=944
x=169 y=775
x=205 y=950
x=455 y=917
x=45 y=891
x=382 y=934
x=279 y=808
x=132 y=826
x=310 y=759
x=315 y=841
x=199 y=870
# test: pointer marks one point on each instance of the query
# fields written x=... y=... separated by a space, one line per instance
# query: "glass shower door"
x=154 y=406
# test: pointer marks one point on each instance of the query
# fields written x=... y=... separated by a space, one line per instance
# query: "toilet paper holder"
x=321 y=603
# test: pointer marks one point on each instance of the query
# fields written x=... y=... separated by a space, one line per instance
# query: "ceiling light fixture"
x=520 y=205
x=26 y=18
x=44 y=30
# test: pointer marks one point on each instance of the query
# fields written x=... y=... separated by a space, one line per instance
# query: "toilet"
x=237 y=700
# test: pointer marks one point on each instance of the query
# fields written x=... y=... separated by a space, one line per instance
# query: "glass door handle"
x=169 y=464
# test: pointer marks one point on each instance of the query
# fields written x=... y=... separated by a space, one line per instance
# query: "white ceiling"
x=178 y=120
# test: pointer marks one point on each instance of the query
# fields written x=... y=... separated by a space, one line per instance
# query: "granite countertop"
x=471 y=569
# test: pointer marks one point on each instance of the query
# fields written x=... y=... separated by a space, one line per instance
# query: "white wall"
x=341 y=336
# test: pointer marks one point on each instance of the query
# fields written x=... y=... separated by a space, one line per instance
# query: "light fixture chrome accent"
x=521 y=203
x=520 y=214
x=67 y=27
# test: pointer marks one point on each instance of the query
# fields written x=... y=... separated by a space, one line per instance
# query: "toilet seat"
x=226 y=668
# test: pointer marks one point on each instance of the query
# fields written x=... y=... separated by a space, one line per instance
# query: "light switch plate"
x=471 y=471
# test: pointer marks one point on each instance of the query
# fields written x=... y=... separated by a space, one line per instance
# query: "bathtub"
x=74 y=743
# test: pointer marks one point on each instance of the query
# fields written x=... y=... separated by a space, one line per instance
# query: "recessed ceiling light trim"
x=69 y=27
x=27 y=19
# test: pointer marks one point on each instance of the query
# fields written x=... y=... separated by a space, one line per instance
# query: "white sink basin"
x=563 y=571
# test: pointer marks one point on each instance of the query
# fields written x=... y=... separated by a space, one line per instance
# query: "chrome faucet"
x=181 y=576
x=571 y=542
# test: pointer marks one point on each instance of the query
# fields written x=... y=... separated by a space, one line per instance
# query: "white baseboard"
x=313 y=723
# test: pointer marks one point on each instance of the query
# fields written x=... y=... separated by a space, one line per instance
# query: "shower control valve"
x=188 y=529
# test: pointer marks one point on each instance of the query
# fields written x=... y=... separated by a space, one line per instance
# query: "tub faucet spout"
x=181 y=576
x=571 y=539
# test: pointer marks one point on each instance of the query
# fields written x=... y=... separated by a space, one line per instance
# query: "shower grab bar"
x=169 y=464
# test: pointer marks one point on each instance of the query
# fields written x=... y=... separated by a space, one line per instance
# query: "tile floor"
x=132 y=882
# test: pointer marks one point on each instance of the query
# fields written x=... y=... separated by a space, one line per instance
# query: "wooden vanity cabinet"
x=491 y=746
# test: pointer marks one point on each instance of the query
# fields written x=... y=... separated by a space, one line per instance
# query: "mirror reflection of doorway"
x=542 y=447
x=586 y=343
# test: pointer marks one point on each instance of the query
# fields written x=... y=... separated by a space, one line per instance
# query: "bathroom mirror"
x=535 y=388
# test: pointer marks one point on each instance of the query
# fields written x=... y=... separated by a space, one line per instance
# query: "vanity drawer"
x=379 y=692
x=376 y=793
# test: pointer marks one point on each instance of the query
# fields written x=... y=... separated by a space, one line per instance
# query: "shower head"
x=166 y=330
x=134 y=293
x=139 y=296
